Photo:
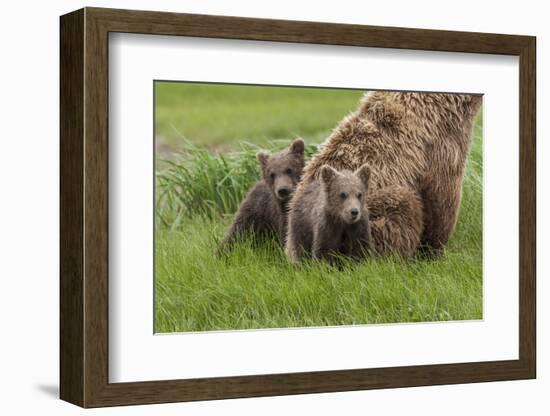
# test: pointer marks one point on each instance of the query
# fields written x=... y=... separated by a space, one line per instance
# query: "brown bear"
x=395 y=218
x=329 y=218
x=415 y=140
x=263 y=212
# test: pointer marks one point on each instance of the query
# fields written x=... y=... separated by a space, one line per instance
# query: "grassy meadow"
x=206 y=139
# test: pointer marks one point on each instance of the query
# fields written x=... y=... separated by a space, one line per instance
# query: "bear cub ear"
x=363 y=173
x=262 y=158
x=297 y=146
x=328 y=174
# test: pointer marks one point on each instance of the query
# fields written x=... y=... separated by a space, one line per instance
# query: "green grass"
x=221 y=116
x=209 y=184
x=197 y=194
x=257 y=288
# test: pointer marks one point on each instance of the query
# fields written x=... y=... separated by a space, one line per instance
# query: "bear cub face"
x=345 y=193
x=282 y=171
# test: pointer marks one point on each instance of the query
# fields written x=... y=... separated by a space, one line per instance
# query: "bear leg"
x=441 y=202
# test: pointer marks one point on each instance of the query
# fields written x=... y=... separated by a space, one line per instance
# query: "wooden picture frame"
x=84 y=207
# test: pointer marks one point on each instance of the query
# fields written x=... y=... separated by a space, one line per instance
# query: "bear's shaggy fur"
x=395 y=218
x=416 y=140
x=330 y=218
x=263 y=212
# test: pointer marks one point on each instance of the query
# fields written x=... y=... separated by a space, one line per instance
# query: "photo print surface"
x=286 y=207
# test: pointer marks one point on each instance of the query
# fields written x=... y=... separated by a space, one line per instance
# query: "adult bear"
x=417 y=140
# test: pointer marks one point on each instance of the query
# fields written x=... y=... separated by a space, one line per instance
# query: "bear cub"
x=263 y=212
x=329 y=218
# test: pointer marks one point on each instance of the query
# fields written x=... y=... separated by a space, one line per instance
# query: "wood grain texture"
x=226 y=27
x=71 y=208
x=84 y=207
x=96 y=208
x=527 y=208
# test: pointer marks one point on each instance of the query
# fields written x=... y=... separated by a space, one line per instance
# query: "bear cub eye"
x=272 y=176
x=359 y=195
x=288 y=171
x=343 y=195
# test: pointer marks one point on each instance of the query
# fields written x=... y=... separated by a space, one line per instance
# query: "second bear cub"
x=330 y=218
x=264 y=210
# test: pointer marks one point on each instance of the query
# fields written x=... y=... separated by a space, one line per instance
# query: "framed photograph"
x=256 y=207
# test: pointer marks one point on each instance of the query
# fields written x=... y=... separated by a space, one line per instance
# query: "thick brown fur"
x=330 y=217
x=415 y=140
x=263 y=212
x=395 y=217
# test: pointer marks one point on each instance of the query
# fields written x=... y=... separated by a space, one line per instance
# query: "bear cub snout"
x=263 y=212
x=329 y=218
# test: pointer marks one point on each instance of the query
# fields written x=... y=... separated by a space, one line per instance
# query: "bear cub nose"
x=283 y=192
x=354 y=212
